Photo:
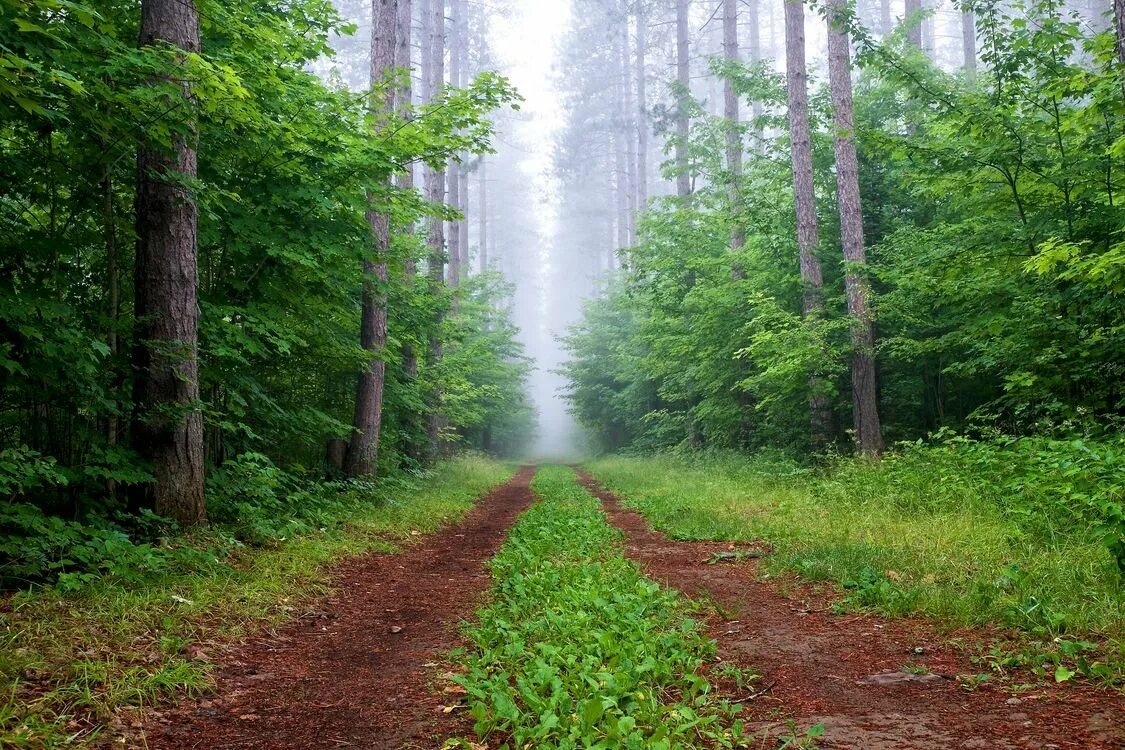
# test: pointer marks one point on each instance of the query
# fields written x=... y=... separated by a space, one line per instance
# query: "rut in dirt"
x=847 y=671
x=360 y=674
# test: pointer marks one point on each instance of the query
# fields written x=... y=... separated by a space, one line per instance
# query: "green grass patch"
x=578 y=649
x=70 y=661
x=924 y=531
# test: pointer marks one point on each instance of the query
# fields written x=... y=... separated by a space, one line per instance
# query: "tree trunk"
x=808 y=235
x=628 y=126
x=865 y=402
x=363 y=448
x=453 y=173
x=914 y=22
x=404 y=32
x=754 y=44
x=465 y=78
x=885 y=24
x=1119 y=28
x=969 y=41
x=642 y=109
x=168 y=423
x=734 y=136
x=929 y=43
x=482 y=211
x=435 y=238
x=683 y=99
x=113 y=310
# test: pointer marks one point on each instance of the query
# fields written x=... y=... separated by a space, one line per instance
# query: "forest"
x=578 y=374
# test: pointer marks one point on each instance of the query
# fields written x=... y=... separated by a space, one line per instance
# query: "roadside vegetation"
x=967 y=533
x=578 y=649
x=140 y=627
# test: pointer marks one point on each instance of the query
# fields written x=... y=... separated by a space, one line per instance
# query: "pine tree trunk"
x=865 y=400
x=435 y=238
x=808 y=234
x=734 y=136
x=482 y=211
x=754 y=45
x=404 y=32
x=363 y=448
x=969 y=41
x=168 y=423
x=885 y=24
x=1119 y=28
x=628 y=127
x=914 y=30
x=465 y=79
x=642 y=109
x=683 y=99
x=453 y=171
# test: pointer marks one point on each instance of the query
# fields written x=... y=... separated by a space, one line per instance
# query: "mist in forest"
x=615 y=94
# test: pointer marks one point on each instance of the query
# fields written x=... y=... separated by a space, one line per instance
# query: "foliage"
x=74 y=657
x=969 y=532
x=993 y=218
x=286 y=167
x=578 y=649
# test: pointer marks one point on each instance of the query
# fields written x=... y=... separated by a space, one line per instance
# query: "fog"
x=576 y=164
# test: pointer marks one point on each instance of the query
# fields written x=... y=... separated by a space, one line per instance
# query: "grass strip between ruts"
x=578 y=649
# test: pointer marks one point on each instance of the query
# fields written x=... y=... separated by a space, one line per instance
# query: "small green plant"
x=794 y=739
x=578 y=649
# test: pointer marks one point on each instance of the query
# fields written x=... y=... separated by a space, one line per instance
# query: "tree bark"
x=683 y=99
x=435 y=238
x=628 y=126
x=168 y=423
x=865 y=400
x=482 y=212
x=363 y=448
x=733 y=135
x=808 y=234
x=969 y=41
x=914 y=28
x=465 y=77
x=642 y=109
x=1119 y=28
x=453 y=171
x=885 y=24
x=404 y=32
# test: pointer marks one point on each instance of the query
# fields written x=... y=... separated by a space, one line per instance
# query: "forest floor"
x=873 y=683
x=362 y=671
x=372 y=668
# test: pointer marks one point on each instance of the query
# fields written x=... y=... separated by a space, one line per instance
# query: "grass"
x=579 y=649
x=907 y=535
x=70 y=664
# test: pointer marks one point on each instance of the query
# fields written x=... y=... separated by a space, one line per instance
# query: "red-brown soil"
x=816 y=667
x=364 y=672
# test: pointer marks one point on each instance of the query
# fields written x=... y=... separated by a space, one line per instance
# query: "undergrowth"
x=579 y=650
x=72 y=656
x=970 y=534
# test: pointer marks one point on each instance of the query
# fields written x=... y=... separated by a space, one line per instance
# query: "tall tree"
x=168 y=422
x=733 y=134
x=435 y=236
x=969 y=38
x=404 y=34
x=808 y=232
x=914 y=22
x=1119 y=28
x=628 y=125
x=683 y=99
x=453 y=172
x=466 y=78
x=482 y=212
x=363 y=448
x=865 y=399
x=642 y=107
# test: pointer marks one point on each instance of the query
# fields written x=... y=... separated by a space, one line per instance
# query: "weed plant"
x=579 y=650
